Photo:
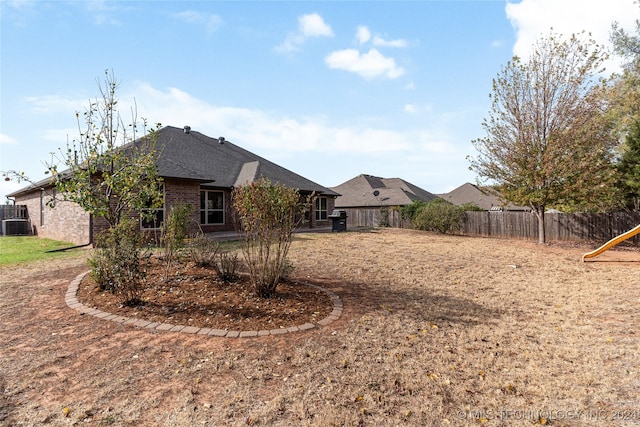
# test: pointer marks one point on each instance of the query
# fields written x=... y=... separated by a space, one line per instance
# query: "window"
x=321 y=208
x=211 y=207
x=152 y=219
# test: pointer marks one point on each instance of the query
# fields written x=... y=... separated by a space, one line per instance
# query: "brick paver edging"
x=72 y=301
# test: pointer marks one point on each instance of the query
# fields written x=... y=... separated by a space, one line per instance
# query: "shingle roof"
x=367 y=190
x=469 y=193
x=193 y=155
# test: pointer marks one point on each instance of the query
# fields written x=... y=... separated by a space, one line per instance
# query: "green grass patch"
x=25 y=249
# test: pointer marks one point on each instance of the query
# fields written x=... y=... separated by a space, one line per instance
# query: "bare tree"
x=110 y=168
x=548 y=140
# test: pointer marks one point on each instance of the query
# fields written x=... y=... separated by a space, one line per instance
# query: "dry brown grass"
x=437 y=330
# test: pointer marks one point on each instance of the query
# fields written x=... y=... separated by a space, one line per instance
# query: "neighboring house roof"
x=469 y=193
x=366 y=191
x=187 y=154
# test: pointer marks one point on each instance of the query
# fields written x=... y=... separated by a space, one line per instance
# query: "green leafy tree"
x=629 y=169
x=439 y=215
x=266 y=215
x=410 y=211
x=471 y=207
x=626 y=108
x=627 y=46
x=109 y=170
x=548 y=138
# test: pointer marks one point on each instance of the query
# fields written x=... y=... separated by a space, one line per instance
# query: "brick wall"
x=66 y=221
x=178 y=192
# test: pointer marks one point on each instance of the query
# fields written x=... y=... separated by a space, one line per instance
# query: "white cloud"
x=410 y=108
x=103 y=12
x=310 y=25
x=368 y=65
x=371 y=64
x=264 y=130
x=532 y=19
x=379 y=41
x=6 y=139
x=361 y=147
x=314 y=26
x=8 y=187
x=18 y=4
x=210 y=22
x=363 y=34
x=55 y=104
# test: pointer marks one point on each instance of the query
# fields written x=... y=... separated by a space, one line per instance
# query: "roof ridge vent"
x=221 y=140
x=187 y=130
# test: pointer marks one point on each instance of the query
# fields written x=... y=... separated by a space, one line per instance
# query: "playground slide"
x=611 y=243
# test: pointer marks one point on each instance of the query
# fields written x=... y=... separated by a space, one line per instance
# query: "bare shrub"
x=174 y=233
x=203 y=250
x=119 y=262
x=226 y=266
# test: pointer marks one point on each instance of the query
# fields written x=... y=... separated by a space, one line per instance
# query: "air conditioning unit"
x=15 y=227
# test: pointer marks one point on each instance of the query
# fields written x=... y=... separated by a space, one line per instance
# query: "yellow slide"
x=611 y=243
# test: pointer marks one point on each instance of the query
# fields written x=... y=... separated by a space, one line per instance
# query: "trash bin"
x=338 y=220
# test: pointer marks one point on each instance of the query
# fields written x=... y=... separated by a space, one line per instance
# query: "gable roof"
x=367 y=190
x=187 y=154
x=469 y=193
x=216 y=162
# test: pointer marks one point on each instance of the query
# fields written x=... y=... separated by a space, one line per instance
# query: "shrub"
x=203 y=250
x=471 y=207
x=118 y=264
x=266 y=214
x=439 y=215
x=226 y=266
x=174 y=233
x=410 y=211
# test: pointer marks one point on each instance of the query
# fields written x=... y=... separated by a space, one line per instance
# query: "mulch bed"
x=194 y=296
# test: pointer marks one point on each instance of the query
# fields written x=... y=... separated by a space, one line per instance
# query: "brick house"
x=196 y=169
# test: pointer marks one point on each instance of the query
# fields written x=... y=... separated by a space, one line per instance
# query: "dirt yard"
x=436 y=331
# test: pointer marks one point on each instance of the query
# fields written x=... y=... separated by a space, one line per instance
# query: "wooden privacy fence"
x=13 y=212
x=375 y=217
x=594 y=227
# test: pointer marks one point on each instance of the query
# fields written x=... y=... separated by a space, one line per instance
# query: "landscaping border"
x=71 y=299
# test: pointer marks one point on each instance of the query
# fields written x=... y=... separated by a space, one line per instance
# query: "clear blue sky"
x=327 y=89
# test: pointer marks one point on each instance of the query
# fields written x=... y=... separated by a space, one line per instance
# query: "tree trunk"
x=539 y=210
